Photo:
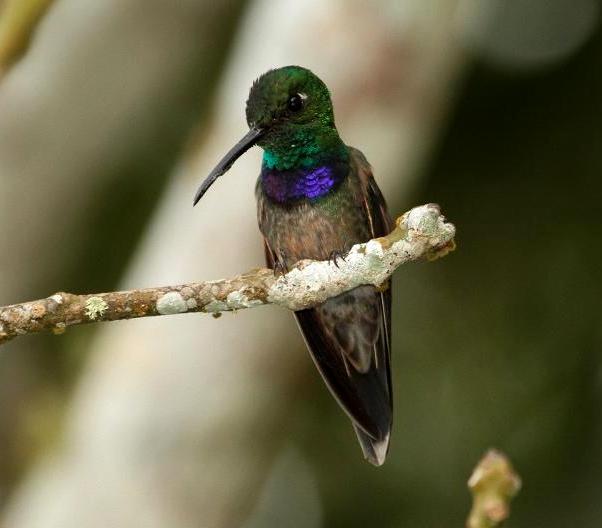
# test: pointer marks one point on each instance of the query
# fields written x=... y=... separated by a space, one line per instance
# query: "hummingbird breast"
x=312 y=228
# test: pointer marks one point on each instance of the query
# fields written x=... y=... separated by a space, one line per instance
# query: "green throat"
x=302 y=153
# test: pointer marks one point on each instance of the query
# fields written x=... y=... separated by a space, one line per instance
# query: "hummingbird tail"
x=375 y=451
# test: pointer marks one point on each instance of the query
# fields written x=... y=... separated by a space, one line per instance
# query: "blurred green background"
x=115 y=112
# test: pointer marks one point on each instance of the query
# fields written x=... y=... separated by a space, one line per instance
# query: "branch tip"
x=493 y=484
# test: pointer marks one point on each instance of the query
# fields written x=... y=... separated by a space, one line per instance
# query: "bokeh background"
x=112 y=113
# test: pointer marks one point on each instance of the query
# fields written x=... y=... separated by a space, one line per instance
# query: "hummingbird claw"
x=280 y=266
x=336 y=254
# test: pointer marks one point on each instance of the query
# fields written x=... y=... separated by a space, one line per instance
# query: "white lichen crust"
x=171 y=303
x=237 y=300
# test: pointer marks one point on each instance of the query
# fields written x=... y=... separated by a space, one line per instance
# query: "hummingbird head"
x=290 y=115
x=287 y=103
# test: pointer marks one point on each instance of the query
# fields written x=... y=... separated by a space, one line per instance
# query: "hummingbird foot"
x=336 y=254
x=280 y=265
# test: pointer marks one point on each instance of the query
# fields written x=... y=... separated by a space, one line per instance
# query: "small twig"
x=18 y=21
x=421 y=232
x=493 y=484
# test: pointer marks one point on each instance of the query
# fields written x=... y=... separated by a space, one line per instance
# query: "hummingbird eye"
x=296 y=102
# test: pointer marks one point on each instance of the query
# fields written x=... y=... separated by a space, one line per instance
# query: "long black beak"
x=250 y=138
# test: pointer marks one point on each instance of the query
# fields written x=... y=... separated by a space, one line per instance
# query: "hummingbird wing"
x=375 y=450
x=349 y=337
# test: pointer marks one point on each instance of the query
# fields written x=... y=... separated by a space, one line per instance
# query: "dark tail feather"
x=375 y=451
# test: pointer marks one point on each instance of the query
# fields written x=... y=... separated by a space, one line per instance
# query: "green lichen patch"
x=96 y=308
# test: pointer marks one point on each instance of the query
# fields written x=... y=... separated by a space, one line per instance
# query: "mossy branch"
x=420 y=233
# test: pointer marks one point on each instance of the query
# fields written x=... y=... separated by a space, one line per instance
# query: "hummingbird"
x=317 y=197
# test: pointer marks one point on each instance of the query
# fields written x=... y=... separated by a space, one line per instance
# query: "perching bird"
x=316 y=197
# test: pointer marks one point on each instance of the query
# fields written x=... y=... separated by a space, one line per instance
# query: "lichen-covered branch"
x=493 y=484
x=421 y=232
